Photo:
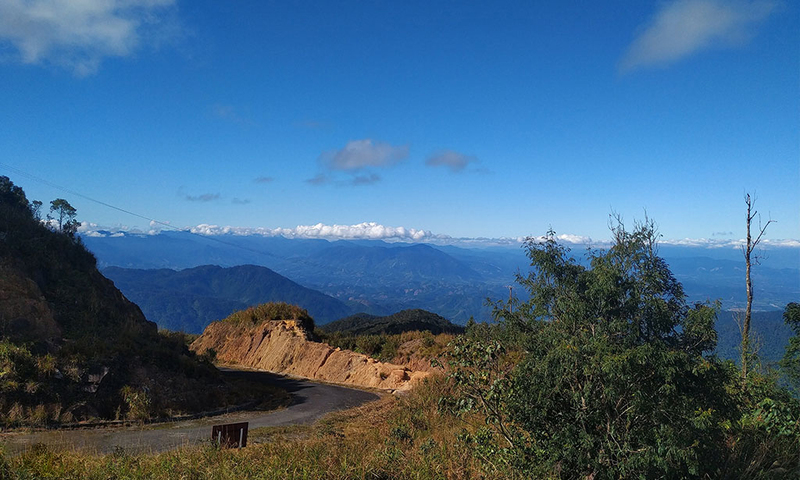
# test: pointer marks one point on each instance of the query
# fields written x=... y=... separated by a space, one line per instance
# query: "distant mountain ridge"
x=404 y=321
x=412 y=262
x=455 y=281
x=188 y=300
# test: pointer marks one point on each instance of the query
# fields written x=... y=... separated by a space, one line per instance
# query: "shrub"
x=138 y=402
x=273 y=311
x=601 y=372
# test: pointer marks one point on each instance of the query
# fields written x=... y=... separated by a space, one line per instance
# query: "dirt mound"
x=284 y=346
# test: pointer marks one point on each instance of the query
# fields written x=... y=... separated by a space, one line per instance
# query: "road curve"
x=310 y=401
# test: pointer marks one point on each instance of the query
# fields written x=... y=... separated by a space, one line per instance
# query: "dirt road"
x=310 y=401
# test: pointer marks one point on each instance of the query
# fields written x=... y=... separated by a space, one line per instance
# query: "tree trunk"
x=748 y=309
x=747 y=355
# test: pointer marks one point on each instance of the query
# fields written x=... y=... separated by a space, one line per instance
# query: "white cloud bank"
x=684 y=27
x=376 y=231
x=729 y=243
x=361 y=231
x=79 y=34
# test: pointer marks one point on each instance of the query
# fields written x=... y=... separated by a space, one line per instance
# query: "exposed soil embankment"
x=284 y=346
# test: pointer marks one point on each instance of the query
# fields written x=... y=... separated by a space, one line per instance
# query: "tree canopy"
x=64 y=215
x=605 y=372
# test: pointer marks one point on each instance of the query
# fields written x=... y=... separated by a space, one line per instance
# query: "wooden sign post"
x=231 y=435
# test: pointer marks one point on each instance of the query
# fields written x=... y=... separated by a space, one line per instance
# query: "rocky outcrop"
x=283 y=346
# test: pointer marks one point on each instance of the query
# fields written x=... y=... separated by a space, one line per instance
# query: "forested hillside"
x=771 y=335
x=188 y=300
x=404 y=321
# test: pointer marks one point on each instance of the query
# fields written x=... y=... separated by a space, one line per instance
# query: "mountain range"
x=336 y=279
x=381 y=278
x=188 y=300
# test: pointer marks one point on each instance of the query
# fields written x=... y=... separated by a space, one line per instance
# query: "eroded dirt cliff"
x=284 y=346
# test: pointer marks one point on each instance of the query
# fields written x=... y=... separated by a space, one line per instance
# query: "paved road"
x=310 y=401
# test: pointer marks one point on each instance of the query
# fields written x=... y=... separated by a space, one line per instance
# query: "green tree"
x=12 y=195
x=64 y=214
x=612 y=381
x=790 y=364
x=36 y=209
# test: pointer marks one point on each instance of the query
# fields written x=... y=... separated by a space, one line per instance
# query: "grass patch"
x=391 y=438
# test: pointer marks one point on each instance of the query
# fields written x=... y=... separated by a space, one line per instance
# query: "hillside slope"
x=258 y=338
x=72 y=347
x=188 y=300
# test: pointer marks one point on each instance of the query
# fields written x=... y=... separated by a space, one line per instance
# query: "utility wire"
x=99 y=202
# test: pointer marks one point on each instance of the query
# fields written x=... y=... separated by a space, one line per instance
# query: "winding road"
x=310 y=401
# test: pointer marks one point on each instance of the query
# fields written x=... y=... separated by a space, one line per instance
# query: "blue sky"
x=468 y=119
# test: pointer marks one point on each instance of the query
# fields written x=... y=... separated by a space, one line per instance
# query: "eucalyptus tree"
x=64 y=215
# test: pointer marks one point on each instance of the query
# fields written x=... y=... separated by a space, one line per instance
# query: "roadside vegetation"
x=400 y=338
x=394 y=348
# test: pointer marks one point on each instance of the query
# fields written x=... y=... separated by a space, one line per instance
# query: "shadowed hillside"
x=72 y=347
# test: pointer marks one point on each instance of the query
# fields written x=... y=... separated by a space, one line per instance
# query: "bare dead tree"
x=750 y=260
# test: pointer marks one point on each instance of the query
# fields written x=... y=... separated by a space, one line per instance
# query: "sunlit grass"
x=394 y=437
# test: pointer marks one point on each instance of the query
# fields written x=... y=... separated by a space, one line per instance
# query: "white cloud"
x=376 y=231
x=684 y=27
x=730 y=243
x=455 y=161
x=358 y=154
x=79 y=34
x=87 y=227
x=89 y=230
x=575 y=239
x=361 y=231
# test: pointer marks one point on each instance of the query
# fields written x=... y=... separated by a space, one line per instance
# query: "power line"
x=100 y=202
x=77 y=194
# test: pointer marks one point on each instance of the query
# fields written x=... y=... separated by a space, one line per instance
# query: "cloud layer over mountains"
x=376 y=231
